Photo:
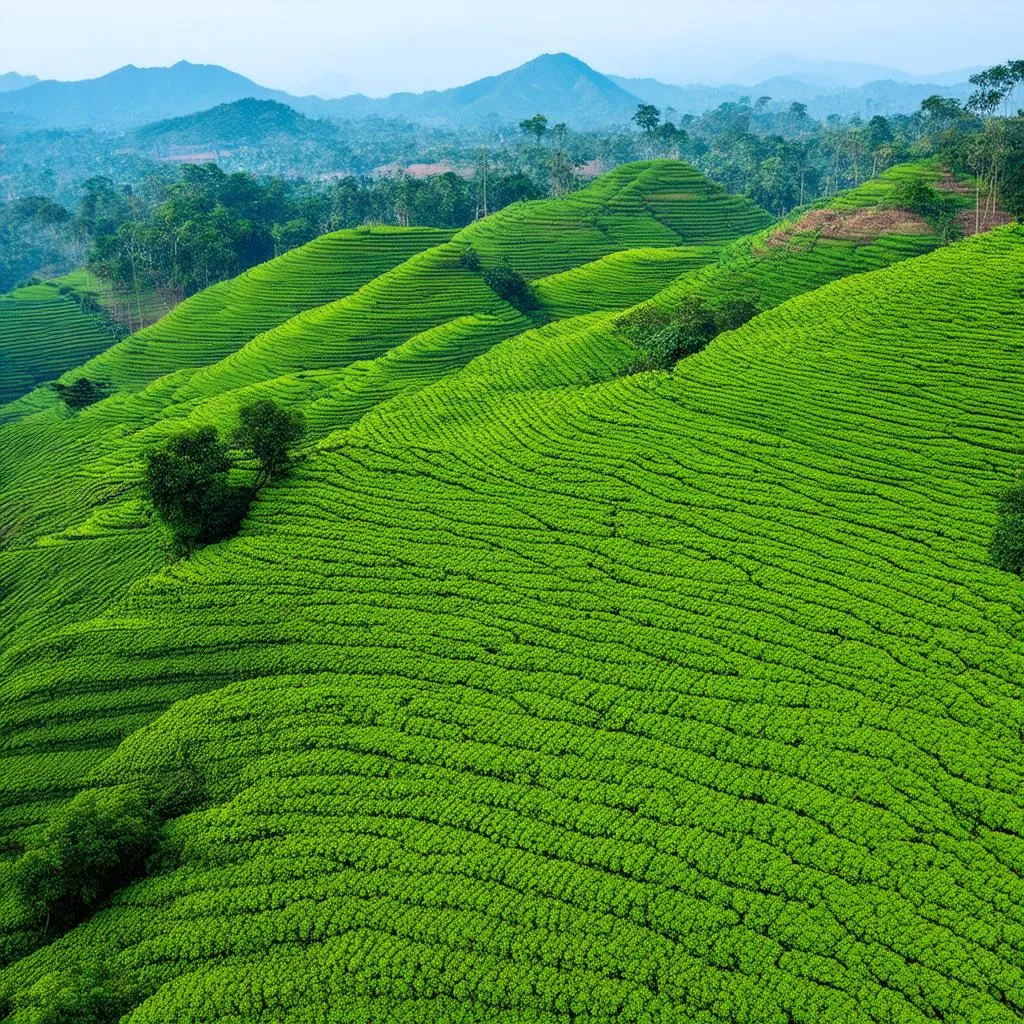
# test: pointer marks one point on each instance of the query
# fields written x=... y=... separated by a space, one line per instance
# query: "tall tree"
x=186 y=482
x=536 y=126
x=647 y=118
x=268 y=431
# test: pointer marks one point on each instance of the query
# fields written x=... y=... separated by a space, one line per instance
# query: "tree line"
x=180 y=231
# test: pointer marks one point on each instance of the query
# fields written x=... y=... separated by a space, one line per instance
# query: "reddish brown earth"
x=986 y=222
x=860 y=226
x=947 y=183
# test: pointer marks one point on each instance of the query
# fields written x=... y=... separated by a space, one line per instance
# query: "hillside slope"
x=682 y=696
x=560 y=85
x=246 y=122
x=77 y=475
x=46 y=330
x=539 y=691
x=132 y=96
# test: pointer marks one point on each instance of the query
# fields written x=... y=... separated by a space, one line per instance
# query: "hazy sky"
x=390 y=45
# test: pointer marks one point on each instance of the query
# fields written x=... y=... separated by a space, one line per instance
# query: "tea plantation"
x=541 y=689
x=44 y=330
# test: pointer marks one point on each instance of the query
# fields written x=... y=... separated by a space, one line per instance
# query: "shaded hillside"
x=558 y=85
x=9 y=81
x=131 y=96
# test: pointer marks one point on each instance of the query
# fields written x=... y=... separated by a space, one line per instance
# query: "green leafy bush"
x=939 y=210
x=1007 y=546
x=88 y=995
x=665 y=338
x=91 y=847
x=187 y=483
x=91 y=994
x=510 y=285
x=268 y=431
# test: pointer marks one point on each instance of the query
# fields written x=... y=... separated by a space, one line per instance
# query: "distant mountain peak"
x=11 y=80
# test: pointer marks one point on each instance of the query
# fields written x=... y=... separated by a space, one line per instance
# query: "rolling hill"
x=557 y=84
x=132 y=96
x=45 y=330
x=822 y=97
x=542 y=690
x=564 y=87
x=246 y=122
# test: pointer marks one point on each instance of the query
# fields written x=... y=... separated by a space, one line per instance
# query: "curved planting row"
x=661 y=203
x=815 y=246
x=43 y=333
x=617 y=281
x=217 y=321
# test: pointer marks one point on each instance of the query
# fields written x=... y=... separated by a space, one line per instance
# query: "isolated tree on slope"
x=186 y=481
x=91 y=846
x=268 y=431
x=647 y=118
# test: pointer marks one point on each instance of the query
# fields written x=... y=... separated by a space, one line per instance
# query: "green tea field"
x=543 y=687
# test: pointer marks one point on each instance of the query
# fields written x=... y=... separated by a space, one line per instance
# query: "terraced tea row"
x=213 y=324
x=43 y=333
x=682 y=696
x=808 y=250
x=663 y=203
x=619 y=280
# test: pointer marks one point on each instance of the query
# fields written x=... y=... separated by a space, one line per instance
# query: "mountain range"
x=12 y=80
x=559 y=85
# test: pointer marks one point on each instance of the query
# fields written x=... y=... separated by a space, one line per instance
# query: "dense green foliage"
x=510 y=285
x=1007 y=547
x=186 y=482
x=94 y=845
x=33 y=235
x=269 y=432
x=538 y=691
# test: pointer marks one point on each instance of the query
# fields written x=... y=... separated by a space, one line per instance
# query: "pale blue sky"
x=390 y=45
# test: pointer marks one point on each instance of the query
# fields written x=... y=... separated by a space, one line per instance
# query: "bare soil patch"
x=986 y=222
x=947 y=183
x=860 y=226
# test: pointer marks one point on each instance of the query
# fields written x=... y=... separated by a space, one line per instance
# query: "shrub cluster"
x=1007 y=546
x=187 y=480
x=100 y=840
x=939 y=210
x=187 y=483
x=510 y=285
x=666 y=337
x=80 y=394
x=91 y=994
